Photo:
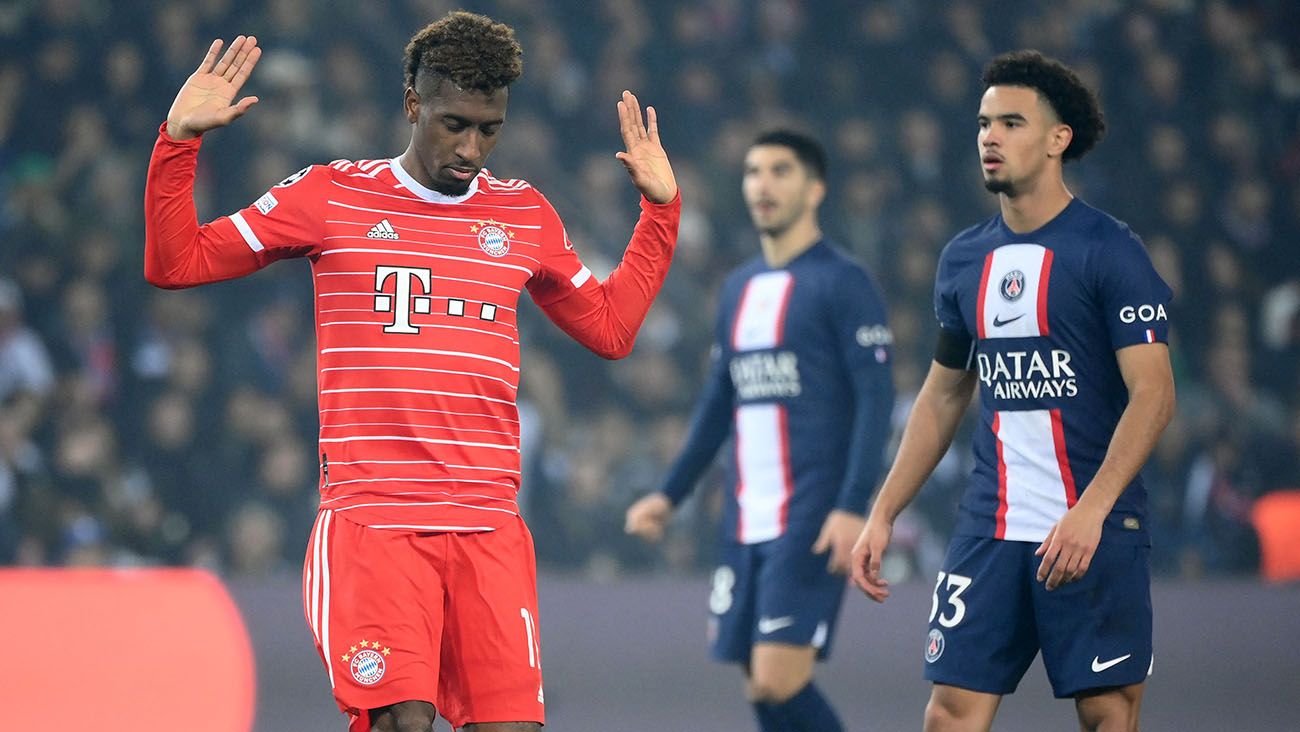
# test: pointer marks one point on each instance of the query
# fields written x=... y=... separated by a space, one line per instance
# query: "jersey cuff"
x=192 y=142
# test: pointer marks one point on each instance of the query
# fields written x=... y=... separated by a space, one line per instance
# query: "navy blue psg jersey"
x=1046 y=311
x=800 y=380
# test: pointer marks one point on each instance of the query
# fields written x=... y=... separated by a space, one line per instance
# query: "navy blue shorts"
x=774 y=592
x=990 y=616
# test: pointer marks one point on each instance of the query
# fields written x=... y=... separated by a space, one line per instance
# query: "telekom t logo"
x=402 y=302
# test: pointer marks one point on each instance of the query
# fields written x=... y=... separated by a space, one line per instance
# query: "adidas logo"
x=382 y=230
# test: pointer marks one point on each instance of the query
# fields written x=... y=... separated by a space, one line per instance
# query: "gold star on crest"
x=386 y=651
x=473 y=228
x=353 y=649
x=346 y=658
x=365 y=643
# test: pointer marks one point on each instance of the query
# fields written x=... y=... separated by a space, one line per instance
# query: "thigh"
x=798 y=601
x=373 y=601
x=982 y=635
x=1096 y=631
x=491 y=653
x=731 y=603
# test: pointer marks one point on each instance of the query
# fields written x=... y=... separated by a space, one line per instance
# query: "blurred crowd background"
x=143 y=427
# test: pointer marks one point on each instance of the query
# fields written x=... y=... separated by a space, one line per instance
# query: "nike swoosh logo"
x=1098 y=665
x=771 y=625
x=998 y=322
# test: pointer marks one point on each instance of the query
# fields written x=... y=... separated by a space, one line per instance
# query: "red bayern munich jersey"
x=417 y=339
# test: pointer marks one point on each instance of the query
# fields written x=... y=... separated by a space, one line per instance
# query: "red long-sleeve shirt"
x=416 y=294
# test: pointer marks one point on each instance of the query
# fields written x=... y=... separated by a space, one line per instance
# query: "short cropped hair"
x=471 y=51
x=1075 y=104
x=806 y=150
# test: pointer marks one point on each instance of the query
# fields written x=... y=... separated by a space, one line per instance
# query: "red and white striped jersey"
x=416 y=303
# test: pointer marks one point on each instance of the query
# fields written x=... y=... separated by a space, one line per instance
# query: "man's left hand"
x=1067 y=551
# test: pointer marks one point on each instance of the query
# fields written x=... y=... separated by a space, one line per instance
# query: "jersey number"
x=957 y=584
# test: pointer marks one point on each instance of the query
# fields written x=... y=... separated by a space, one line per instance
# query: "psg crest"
x=367 y=665
x=934 y=646
x=1013 y=285
x=493 y=238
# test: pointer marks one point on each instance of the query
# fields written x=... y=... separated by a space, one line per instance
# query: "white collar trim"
x=429 y=194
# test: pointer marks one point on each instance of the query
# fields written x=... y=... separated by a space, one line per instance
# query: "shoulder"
x=489 y=183
x=1107 y=234
x=737 y=277
x=968 y=243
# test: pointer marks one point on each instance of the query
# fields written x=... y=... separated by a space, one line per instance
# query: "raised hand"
x=645 y=158
x=204 y=102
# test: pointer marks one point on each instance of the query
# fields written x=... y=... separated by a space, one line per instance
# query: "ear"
x=411 y=105
x=816 y=193
x=1058 y=140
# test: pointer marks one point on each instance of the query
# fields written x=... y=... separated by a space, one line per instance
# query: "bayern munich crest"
x=367 y=664
x=934 y=646
x=493 y=238
x=1013 y=285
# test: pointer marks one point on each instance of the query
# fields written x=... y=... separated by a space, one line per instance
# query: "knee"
x=410 y=717
x=946 y=714
x=774 y=688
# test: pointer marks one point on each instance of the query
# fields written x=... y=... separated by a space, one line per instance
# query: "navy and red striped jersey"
x=1046 y=311
x=800 y=379
x=416 y=295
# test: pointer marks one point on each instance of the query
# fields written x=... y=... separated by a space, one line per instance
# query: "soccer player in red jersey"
x=420 y=582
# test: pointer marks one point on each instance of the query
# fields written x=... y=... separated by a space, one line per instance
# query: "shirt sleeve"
x=284 y=222
x=605 y=316
x=710 y=425
x=1134 y=299
x=865 y=342
x=947 y=308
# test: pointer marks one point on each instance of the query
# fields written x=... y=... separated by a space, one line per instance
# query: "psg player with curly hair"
x=420 y=581
x=1054 y=310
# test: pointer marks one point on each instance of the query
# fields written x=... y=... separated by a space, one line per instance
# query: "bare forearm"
x=930 y=429
x=1148 y=412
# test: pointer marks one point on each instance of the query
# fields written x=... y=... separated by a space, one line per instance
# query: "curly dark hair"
x=472 y=51
x=1075 y=104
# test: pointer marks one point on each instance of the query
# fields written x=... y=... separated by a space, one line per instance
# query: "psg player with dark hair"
x=420 y=580
x=801 y=382
x=1054 y=310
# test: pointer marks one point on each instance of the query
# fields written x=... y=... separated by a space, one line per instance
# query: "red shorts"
x=447 y=618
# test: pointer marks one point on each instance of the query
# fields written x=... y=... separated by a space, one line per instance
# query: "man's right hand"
x=204 y=103
x=867 y=553
x=647 y=517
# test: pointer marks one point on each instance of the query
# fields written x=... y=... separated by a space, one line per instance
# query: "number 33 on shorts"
x=955 y=585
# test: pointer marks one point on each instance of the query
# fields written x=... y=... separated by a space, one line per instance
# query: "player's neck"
x=779 y=249
x=1030 y=210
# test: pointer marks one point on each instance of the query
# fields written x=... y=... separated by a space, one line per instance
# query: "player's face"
x=1019 y=135
x=777 y=188
x=455 y=131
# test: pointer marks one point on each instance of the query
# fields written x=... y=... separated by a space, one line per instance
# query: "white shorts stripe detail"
x=761 y=472
x=581 y=277
x=1035 y=490
x=1016 y=318
x=246 y=231
x=325 y=599
x=761 y=312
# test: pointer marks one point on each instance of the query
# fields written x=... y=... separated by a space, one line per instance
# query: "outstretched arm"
x=178 y=251
x=605 y=316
